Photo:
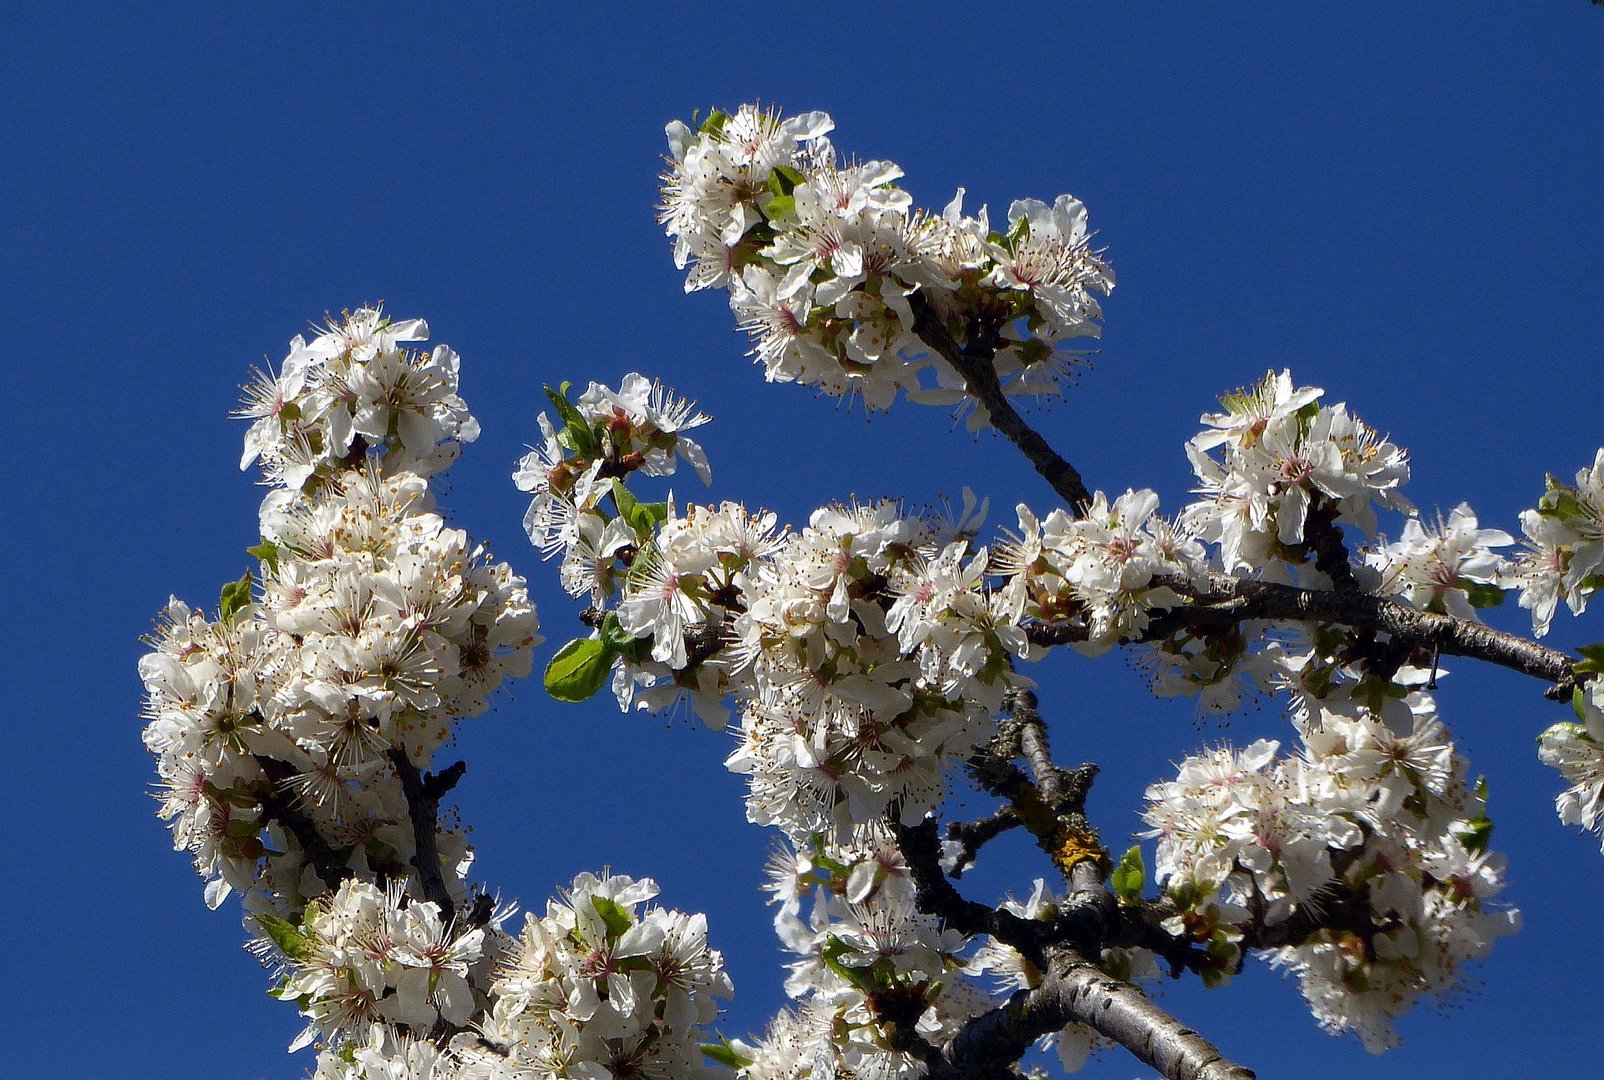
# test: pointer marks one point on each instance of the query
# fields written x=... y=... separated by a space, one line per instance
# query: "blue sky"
x=1399 y=204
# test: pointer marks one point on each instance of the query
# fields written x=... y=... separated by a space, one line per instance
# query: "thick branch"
x=423 y=792
x=1222 y=600
x=1076 y=990
x=974 y=365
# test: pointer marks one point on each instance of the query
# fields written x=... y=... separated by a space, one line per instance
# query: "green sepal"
x=1483 y=595
x=1579 y=703
x=286 y=935
x=266 y=553
x=1034 y=351
x=1130 y=875
x=236 y=596
x=579 y=669
x=1560 y=502
x=724 y=1053
x=613 y=914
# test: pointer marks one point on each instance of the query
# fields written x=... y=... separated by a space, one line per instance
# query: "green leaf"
x=646 y=517
x=266 y=553
x=1130 y=875
x=714 y=124
x=725 y=1054
x=579 y=669
x=576 y=433
x=613 y=633
x=1579 y=704
x=1592 y=660
x=779 y=206
x=236 y=596
x=785 y=179
x=624 y=500
x=286 y=935
x=1483 y=595
x=613 y=915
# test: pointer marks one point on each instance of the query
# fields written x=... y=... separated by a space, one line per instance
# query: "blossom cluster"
x=367 y=956
x=1564 y=556
x=1360 y=863
x=600 y=988
x=828 y=264
x=288 y=729
x=351 y=388
x=870 y=964
x=1284 y=457
x=372 y=626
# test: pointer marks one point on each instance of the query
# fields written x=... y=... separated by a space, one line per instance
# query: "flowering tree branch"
x=866 y=656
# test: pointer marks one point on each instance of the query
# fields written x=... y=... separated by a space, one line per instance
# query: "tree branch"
x=974 y=365
x=971 y=836
x=1222 y=600
x=423 y=792
x=1075 y=989
x=330 y=864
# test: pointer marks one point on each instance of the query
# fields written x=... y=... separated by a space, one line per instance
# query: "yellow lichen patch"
x=1076 y=846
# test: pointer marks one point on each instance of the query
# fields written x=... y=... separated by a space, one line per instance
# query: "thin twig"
x=330 y=864
x=974 y=365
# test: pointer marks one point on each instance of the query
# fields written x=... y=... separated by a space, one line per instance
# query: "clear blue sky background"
x=1400 y=203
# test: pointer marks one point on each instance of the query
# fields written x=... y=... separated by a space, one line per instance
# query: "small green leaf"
x=714 y=124
x=1483 y=595
x=1592 y=660
x=266 y=553
x=613 y=914
x=1130 y=875
x=786 y=178
x=623 y=499
x=579 y=669
x=286 y=935
x=1579 y=704
x=646 y=517
x=779 y=206
x=236 y=596
x=576 y=432
x=725 y=1053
